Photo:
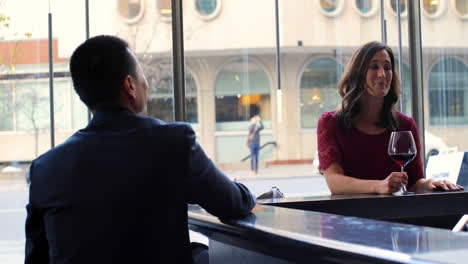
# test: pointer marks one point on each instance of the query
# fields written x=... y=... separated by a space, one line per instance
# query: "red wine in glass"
x=402 y=149
x=403 y=159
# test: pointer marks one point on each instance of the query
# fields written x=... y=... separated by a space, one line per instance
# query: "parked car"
x=434 y=145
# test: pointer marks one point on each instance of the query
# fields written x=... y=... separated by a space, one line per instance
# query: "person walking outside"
x=254 y=141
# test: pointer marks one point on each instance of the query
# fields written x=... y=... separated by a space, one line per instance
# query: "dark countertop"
x=344 y=236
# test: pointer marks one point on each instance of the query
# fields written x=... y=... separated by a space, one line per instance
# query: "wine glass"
x=402 y=150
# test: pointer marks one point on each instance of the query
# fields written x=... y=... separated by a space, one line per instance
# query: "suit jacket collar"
x=114 y=117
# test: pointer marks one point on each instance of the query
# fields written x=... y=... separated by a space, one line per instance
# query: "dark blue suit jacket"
x=117 y=192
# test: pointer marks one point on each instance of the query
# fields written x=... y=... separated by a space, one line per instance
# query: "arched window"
x=461 y=8
x=318 y=90
x=131 y=10
x=448 y=92
x=393 y=5
x=161 y=96
x=331 y=8
x=164 y=9
x=431 y=6
x=242 y=89
x=434 y=8
x=206 y=7
x=364 y=6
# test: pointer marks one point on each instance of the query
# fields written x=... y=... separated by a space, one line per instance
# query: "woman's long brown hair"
x=352 y=87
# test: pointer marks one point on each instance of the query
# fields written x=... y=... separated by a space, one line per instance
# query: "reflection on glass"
x=448 y=84
x=319 y=92
x=461 y=6
x=329 y=5
x=364 y=5
x=402 y=5
x=431 y=6
x=130 y=9
x=206 y=7
x=242 y=90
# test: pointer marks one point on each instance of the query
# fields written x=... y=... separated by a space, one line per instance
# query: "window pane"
x=364 y=6
x=461 y=7
x=448 y=82
x=329 y=5
x=319 y=91
x=206 y=7
x=130 y=9
x=161 y=94
x=242 y=90
x=402 y=5
x=164 y=7
x=431 y=6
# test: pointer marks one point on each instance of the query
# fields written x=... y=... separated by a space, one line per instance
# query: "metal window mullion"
x=278 y=65
x=415 y=54
x=178 y=63
x=400 y=56
x=51 y=84
x=383 y=22
x=87 y=37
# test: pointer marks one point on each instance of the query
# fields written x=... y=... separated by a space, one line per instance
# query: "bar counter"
x=341 y=229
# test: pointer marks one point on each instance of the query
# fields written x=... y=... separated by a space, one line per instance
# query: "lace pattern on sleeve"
x=328 y=149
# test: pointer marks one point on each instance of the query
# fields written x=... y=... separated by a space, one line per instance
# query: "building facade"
x=231 y=67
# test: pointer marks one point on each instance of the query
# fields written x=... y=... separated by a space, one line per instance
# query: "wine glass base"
x=402 y=193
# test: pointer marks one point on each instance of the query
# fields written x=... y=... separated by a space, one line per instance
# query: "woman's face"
x=379 y=74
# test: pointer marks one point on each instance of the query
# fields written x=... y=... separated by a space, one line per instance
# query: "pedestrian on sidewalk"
x=254 y=141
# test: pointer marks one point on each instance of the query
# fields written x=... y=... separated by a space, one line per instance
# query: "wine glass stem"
x=403 y=187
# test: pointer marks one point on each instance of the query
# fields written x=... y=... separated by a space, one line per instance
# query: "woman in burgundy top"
x=353 y=141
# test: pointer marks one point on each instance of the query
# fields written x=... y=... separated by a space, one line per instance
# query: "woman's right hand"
x=392 y=183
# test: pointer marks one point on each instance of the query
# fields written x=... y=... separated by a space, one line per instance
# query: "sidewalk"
x=274 y=171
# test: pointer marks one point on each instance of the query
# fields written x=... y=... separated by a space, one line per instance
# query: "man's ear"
x=129 y=87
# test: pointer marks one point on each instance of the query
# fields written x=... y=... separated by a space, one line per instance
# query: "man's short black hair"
x=98 y=68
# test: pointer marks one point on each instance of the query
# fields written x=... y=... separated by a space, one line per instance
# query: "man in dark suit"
x=117 y=191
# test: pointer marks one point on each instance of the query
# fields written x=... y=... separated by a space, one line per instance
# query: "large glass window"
x=242 y=90
x=319 y=92
x=448 y=92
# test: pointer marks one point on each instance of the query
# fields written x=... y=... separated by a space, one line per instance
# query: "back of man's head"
x=98 y=68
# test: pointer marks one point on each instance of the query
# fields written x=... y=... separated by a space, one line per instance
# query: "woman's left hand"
x=444 y=185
